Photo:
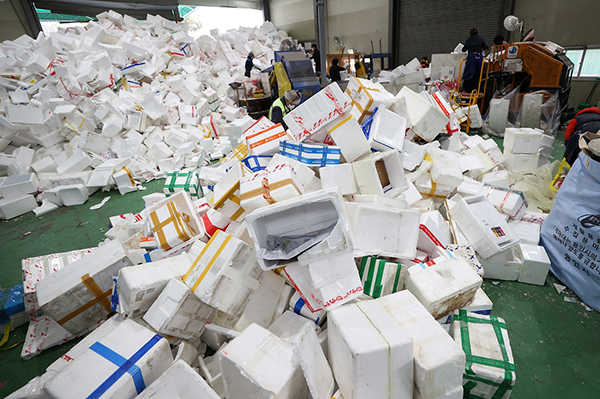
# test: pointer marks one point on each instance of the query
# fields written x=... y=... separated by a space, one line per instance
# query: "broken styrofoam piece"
x=315 y=367
x=289 y=325
x=210 y=370
x=179 y=381
x=504 y=265
x=381 y=174
x=45 y=208
x=18 y=186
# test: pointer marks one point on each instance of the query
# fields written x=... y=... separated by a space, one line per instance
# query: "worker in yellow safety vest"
x=283 y=105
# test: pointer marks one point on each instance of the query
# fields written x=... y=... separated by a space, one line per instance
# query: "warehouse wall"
x=568 y=23
x=356 y=22
x=12 y=25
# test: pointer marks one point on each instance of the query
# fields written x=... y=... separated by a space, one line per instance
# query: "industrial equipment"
x=297 y=68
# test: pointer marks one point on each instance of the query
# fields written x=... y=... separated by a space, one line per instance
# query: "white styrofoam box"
x=175 y=223
x=528 y=233
x=236 y=128
x=180 y=381
x=259 y=365
x=467 y=253
x=18 y=186
x=45 y=164
x=269 y=186
x=439 y=362
x=508 y=201
x=25 y=114
x=214 y=220
x=348 y=135
x=535 y=264
x=98 y=370
x=380 y=276
x=266 y=142
x=264 y=304
x=178 y=312
x=326 y=284
x=77 y=295
x=503 y=266
x=289 y=325
x=210 y=369
x=433 y=232
x=413 y=155
x=470 y=162
x=366 y=96
x=496 y=156
x=72 y=194
x=485 y=339
x=475 y=116
x=380 y=173
x=227 y=191
x=469 y=187
x=371 y=355
x=16 y=206
x=299 y=306
x=481 y=303
x=483 y=226
x=341 y=176
x=139 y=286
x=426 y=119
x=498 y=115
x=76 y=163
x=498 y=178
x=445 y=286
x=313 y=363
x=489 y=165
x=317 y=111
x=258 y=126
x=152 y=107
x=309 y=213
x=387 y=131
x=477 y=141
x=445 y=169
x=522 y=141
x=521 y=162
x=385 y=231
x=396 y=202
x=225 y=274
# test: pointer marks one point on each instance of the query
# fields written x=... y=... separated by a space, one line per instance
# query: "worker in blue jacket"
x=474 y=46
x=250 y=64
x=283 y=105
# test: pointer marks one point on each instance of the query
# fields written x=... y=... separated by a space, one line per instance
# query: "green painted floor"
x=555 y=343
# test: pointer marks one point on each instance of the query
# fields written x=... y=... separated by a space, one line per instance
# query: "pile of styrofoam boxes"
x=115 y=104
x=342 y=254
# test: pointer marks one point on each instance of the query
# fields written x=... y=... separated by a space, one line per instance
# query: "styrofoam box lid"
x=180 y=381
x=534 y=253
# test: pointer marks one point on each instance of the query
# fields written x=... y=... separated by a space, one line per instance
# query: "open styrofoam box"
x=303 y=215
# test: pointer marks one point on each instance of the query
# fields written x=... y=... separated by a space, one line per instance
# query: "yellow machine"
x=283 y=81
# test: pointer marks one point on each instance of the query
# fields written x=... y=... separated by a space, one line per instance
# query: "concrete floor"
x=555 y=343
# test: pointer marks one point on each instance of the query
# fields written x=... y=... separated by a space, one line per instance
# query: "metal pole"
x=266 y=8
x=321 y=25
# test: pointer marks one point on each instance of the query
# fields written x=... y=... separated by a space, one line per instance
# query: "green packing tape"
x=369 y=281
x=378 y=282
x=397 y=279
x=508 y=367
x=171 y=184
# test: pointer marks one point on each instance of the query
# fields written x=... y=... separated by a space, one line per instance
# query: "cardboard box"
x=260 y=365
x=371 y=355
x=77 y=295
x=490 y=371
x=438 y=360
x=445 y=286
x=100 y=369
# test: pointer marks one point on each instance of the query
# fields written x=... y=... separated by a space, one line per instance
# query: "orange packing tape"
x=266 y=189
x=263 y=131
x=268 y=139
x=99 y=297
x=130 y=176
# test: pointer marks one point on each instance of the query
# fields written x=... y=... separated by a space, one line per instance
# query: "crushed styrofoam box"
x=536 y=264
x=490 y=371
x=178 y=312
x=210 y=369
x=289 y=325
x=180 y=381
x=445 y=286
x=483 y=226
x=503 y=266
x=499 y=178
x=77 y=295
x=385 y=231
x=320 y=212
x=259 y=365
x=313 y=363
x=467 y=253
x=99 y=371
x=370 y=353
x=380 y=173
x=439 y=363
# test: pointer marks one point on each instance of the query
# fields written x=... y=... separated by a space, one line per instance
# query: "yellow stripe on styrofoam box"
x=340 y=124
x=213 y=260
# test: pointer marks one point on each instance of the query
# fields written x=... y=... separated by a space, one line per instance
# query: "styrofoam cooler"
x=320 y=109
x=289 y=325
x=522 y=141
x=298 y=305
x=180 y=381
x=370 y=353
x=121 y=364
x=183 y=181
x=426 y=120
x=225 y=274
x=259 y=365
x=508 y=201
x=269 y=186
x=380 y=173
x=306 y=214
x=178 y=312
x=365 y=96
x=226 y=198
x=483 y=226
x=387 y=131
x=266 y=142
x=439 y=363
x=77 y=296
x=481 y=303
x=445 y=286
x=536 y=264
x=139 y=286
x=348 y=135
x=490 y=371
x=381 y=277
x=341 y=176
x=309 y=154
x=505 y=265
x=385 y=231
x=313 y=363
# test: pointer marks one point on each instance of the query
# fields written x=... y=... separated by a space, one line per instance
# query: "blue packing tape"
x=299 y=305
x=147 y=257
x=114 y=298
x=125 y=366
